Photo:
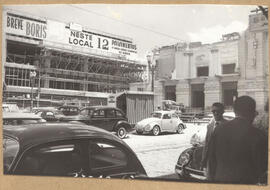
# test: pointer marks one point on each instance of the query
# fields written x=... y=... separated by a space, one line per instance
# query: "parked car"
x=10 y=107
x=20 y=118
x=69 y=110
x=189 y=161
x=160 y=121
x=64 y=149
x=51 y=115
x=38 y=109
x=108 y=118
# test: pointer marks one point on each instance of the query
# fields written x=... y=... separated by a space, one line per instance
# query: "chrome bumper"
x=197 y=174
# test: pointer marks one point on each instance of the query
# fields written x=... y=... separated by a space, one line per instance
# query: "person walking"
x=217 y=110
x=238 y=150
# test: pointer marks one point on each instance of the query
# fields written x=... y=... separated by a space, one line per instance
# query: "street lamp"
x=32 y=77
x=151 y=60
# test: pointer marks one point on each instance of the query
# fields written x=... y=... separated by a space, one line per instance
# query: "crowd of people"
x=236 y=151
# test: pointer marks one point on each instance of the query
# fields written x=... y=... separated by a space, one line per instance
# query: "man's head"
x=218 y=110
x=245 y=106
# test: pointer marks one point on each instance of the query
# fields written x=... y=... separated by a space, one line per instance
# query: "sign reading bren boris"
x=24 y=26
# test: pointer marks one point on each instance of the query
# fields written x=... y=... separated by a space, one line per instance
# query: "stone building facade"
x=199 y=74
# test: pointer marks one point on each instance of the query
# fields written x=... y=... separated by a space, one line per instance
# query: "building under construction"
x=48 y=63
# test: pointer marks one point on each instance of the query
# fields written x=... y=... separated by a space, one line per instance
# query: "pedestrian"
x=217 y=110
x=238 y=150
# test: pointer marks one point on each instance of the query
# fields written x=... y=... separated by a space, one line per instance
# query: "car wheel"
x=121 y=132
x=180 y=129
x=155 y=130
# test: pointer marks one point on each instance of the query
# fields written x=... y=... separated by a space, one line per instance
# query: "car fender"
x=122 y=123
x=152 y=124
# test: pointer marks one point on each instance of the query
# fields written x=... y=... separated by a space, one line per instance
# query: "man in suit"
x=238 y=150
x=217 y=110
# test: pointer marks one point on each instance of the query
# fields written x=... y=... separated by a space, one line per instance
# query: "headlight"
x=147 y=127
x=183 y=159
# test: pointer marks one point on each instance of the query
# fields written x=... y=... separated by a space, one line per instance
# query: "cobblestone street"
x=159 y=154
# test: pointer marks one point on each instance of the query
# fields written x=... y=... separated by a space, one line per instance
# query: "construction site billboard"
x=65 y=35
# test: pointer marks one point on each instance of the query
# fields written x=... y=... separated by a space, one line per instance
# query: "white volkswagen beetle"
x=160 y=121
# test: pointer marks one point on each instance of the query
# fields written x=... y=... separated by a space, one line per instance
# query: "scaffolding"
x=64 y=70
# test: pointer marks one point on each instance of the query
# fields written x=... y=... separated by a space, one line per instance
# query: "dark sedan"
x=108 y=118
x=64 y=149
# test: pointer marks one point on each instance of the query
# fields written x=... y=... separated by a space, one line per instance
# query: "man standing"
x=238 y=150
x=217 y=110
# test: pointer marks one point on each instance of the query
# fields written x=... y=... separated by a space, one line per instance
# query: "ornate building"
x=199 y=74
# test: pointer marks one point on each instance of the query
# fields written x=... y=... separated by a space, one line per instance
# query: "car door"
x=175 y=122
x=60 y=158
x=110 y=119
x=166 y=123
x=98 y=119
x=108 y=159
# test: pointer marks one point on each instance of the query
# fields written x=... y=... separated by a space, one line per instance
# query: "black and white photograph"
x=153 y=92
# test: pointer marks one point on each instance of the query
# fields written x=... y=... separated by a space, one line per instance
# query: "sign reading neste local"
x=24 y=26
x=99 y=42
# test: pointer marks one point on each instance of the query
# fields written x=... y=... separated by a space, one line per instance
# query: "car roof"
x=68 y=106
x=20 y=115
x=100 y=107
x=165 y=111
x=34 y=134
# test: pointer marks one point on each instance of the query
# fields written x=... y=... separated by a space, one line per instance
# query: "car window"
x=49 y=113
x=99 y=114
x=5 y=109
x=110 y=113
x=10 y=150
x=166 y=116
x=106 y=156
x=155 y=114
x=21 y=121
x=118 y=114
x=174 y=116
x=39 y=113
x=54 y=159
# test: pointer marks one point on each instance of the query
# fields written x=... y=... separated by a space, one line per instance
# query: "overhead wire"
x=127 y=23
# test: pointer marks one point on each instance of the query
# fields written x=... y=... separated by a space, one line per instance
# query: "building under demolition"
x=50 y=62
x=198 y=75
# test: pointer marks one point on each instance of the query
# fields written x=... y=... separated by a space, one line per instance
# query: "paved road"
x=159 y=154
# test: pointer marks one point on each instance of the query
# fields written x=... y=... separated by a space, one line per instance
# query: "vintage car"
x=10 y=107
x=50 y=115
x=189 y=161
x=160 y=121
x=20 y=118
x=69 y=110
x=65 y=149
x=105 y=117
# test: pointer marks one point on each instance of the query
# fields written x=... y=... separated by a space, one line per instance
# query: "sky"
x=152 y=25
